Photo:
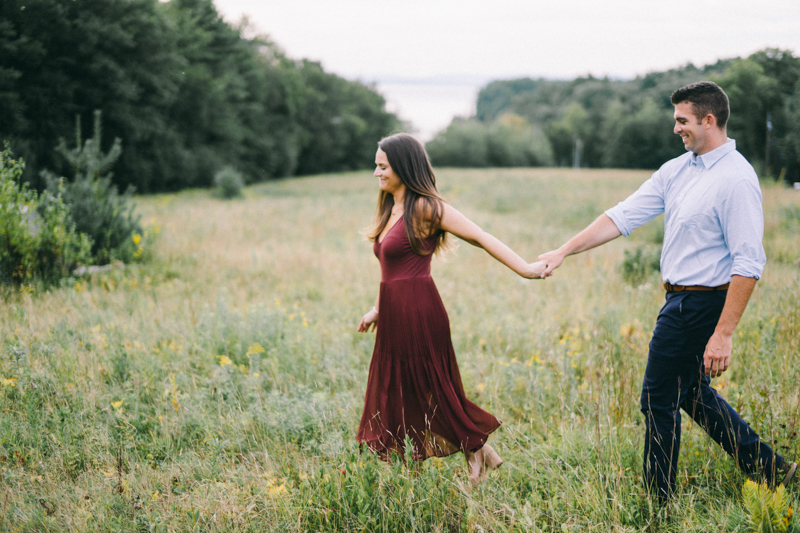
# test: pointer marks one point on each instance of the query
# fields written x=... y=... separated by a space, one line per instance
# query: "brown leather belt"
x=669 y=287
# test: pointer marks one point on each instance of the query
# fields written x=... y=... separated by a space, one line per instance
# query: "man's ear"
x=709 y=121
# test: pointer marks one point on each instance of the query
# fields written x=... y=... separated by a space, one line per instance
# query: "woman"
x=414 y=388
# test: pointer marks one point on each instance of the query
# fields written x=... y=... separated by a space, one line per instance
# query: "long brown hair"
x=423 y=210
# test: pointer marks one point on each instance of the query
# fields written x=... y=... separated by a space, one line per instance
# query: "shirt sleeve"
x=742 y=220
x=641 y=207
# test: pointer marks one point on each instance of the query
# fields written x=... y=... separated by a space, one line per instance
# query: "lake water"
x=429 y=107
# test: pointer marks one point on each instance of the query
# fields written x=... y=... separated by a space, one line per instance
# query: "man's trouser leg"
x=673 y=380
x=729 y=430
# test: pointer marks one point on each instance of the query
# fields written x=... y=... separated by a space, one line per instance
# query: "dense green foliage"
x=185 y=92
x=37 y=243
x=509 y=141
x=628 y=123
x=219 y=386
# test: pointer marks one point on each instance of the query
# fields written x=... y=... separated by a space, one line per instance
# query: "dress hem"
x=384 y=452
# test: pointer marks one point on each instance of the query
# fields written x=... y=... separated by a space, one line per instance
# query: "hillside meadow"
x=218 y=386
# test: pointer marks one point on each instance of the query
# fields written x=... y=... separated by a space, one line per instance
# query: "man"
x=711 y=260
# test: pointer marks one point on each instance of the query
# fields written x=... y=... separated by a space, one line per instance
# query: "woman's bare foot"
x=480 y=462
x=490 y=458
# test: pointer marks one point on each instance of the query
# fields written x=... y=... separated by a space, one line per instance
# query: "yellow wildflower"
x=273 y=489
x=137 y=239
x=117 y=405
x=224 y=360
x=254 y=349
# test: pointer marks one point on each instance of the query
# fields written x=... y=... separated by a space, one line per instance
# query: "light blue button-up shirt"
x=713 y=221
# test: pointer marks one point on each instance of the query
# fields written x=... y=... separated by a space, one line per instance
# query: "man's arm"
x=717 y=356
x=598 y=232
x=638 y=209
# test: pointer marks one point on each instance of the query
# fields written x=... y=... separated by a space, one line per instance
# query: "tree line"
x=605 y=123
x=186 y=93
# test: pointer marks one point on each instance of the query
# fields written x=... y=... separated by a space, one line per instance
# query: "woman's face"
x=389 y=181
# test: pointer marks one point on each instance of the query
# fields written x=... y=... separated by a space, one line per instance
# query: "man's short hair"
x=706 y=98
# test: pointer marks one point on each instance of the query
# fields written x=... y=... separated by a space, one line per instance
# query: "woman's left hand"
x=369 y=319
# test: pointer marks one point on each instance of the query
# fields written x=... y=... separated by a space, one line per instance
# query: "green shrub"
x=767 y=511
x=639 y=264
x=36 y=240
x=513 y=142
x=790 y=216
x=229 y=183
x=510 y=141
x=463 y=144
x=96 y=208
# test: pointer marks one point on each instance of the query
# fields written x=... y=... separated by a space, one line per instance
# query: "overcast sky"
x=375 y=39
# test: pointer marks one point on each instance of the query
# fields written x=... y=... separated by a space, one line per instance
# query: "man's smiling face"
x=691 y=129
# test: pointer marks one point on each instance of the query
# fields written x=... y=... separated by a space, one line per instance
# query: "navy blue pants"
x=675 y=380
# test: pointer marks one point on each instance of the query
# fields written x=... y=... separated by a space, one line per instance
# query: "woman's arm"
x=371 y=317
x=466 y=230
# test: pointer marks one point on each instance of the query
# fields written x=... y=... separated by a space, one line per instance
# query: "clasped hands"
x=549 y=261
x=545 y=265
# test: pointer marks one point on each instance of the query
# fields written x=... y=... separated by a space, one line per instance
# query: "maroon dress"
x=414 y=387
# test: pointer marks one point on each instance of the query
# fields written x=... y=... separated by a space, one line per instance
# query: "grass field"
x=218 y=387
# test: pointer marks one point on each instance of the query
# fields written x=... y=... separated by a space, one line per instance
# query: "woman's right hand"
x=369 y=319
x=536 y=270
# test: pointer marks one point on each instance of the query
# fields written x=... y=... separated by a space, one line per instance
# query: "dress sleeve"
x=742 y=220
x=641 y=207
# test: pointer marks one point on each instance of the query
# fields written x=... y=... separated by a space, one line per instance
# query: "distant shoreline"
x=428 y=106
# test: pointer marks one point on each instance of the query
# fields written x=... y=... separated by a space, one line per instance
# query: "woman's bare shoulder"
x=428 y=207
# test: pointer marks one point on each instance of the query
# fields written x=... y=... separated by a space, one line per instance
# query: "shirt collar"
x=708 y=160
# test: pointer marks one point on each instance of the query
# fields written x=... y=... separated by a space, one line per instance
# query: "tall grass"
x=219 y=387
